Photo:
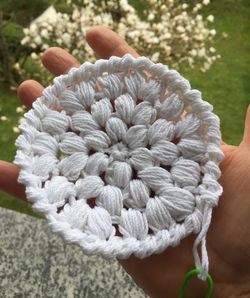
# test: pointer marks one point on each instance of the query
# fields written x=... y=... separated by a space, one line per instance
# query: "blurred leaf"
x=13 y=33
x=24 y=11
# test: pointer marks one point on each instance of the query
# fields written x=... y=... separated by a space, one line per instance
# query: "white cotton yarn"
x=122 y=157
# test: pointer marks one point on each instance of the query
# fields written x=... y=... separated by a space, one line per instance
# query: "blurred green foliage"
x=14 y=34
x=11 y=51
x=23 y=11
x=226 y=84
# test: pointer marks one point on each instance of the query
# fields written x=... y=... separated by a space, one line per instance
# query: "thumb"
x=246 y=137
x=8 y=180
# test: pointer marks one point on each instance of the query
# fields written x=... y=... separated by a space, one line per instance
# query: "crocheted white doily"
x=122 y=157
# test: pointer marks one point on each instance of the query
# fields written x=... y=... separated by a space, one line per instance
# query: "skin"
x=228 y=240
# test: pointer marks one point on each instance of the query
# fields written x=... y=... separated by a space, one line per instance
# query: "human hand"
x=228 y=240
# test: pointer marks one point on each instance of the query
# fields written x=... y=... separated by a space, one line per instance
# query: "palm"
x=228 y=242
x=229 y=234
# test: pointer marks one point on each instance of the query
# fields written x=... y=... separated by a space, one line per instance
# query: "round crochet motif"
x=122 y=157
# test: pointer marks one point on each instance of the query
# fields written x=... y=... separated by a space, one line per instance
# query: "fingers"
x=106 y=43
x=29 y=91
x=246 y=137
x=58 y=61
x=8 y=180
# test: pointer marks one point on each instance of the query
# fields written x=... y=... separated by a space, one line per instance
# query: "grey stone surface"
x=34 y=262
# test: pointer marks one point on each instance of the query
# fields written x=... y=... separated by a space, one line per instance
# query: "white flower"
x=59 y=41
x=167 y=35
x=206 y=2
x=213 y=32
x=44 y=33
x=26 y=31
x=185 y=38
x=155 y=40
x=33 y=28
x=21 y=120
x=25 y=40
x=38 y=40
x=190 y=61
x=206 y=66
x=167 y=50
x=19 y=110
x=201 y=52
x=184 y=15
x=132 y=34
x=17 y=66
x=76 y=14
x=13 y=88
x=199 y=17
x=16 y=129
x=33 y=56
x=163 y=7
x=205 y=32
x=198 y=6
x=155 y=57
x=193 y=52
x=224 y=34
x=49 y=27
x=45 y=46
x=199 y=37
x=212 y=50
x=75 y=52
x=66 y=38
x=159 y=26
x=151 y=17
x=210 y=18
x=4 y=118
x=180 y=29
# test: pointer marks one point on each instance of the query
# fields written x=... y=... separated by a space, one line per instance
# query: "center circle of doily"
x=121 y=156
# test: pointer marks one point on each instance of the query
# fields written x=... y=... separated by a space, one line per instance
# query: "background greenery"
x=226 y=85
